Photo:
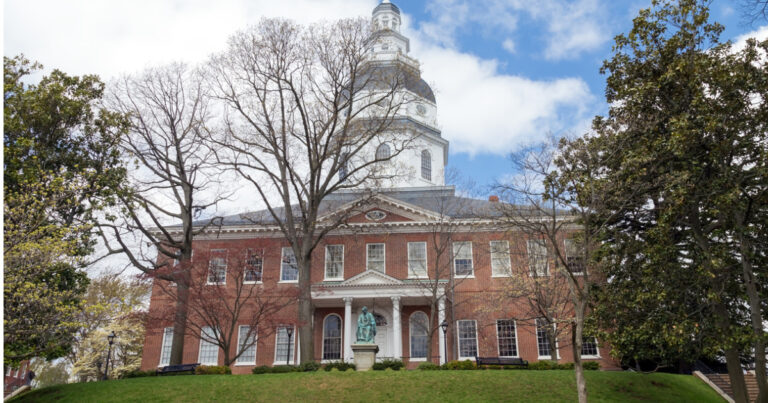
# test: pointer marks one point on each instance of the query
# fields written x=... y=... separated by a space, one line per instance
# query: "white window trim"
x=255 y=348
x=200 y=348
x=162 y=344
x=325 y=268
x=426 y=261
x=509 y=261
x=282 y=257
x=410 y=337
x=385 y=256
x=471 y=258
x=223 y=282
x=532 y=270
x=262 y=267
x=517 y=345
x=589 y=356
x=458 y=338
x=294 y=337
x=557 y=346
x=322 y=339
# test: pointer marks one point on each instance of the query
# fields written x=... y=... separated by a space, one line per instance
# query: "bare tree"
x=548 y=201
x=173 y=180
x=753 y=10
x=306 y=110
x=228 y=305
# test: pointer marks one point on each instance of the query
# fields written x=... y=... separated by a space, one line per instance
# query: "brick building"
x=416 y=254
x=16 y=377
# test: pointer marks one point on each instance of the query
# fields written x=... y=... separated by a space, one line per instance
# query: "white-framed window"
x=165 y=349
x=538 y=263
x=8 y=371
x=589 y=347
x=334 y=262
x=254 y=266
x=500 y=262
x=383 y=151
x=209 y=351
x=332 y=337
x=462 y=259
x=418 y=326
x=574 y=257
x=467 y=338
x=376 y=257
x=23 y=370
x=284 y=350
x=542 y=339
x=246 y=345
x=217 y=267
x=506 y=335
x=426 y=165
x=417 y=259
x=289 y=269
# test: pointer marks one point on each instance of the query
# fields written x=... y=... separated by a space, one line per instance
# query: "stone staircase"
x=724 y=383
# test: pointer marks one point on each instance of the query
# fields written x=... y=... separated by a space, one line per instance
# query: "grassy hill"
x=550 y=386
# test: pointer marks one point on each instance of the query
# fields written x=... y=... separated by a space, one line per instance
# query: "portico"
x=385 y=297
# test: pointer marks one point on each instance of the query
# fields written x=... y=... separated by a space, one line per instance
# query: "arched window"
x=426 y=165
x=382 y=152
x=418 y=325
x=332 y=337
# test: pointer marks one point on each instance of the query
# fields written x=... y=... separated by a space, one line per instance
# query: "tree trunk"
x=179 y=322
x=306 y=341
x=552 y=336
x=577 y=342
x=732 y=361
x=756 y=318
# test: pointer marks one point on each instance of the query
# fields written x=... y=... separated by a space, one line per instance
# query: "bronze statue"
x=366 y=327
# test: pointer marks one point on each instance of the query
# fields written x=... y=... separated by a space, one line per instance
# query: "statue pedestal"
x=365 y=356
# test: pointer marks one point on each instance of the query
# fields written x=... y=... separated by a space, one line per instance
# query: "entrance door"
x=382 y=336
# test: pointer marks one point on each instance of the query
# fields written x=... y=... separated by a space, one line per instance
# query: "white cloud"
x=760 y=34
x=569 y=28
x=483 y=111
x=509 y=45
x=110 y=37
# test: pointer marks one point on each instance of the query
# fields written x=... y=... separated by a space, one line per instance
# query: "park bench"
x=501 y=361
x=170 y=369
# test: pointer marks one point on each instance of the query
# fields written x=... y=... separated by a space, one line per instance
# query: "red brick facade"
x=480 y=297
x=16 y=377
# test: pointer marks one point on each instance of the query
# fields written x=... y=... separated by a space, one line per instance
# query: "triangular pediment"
x=393 y=209
x=371 y=277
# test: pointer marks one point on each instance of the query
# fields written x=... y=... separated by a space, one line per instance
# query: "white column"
x=440 y=319
x=397 y=329
x=348 y=329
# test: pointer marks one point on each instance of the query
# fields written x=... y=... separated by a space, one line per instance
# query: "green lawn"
x=519 y=385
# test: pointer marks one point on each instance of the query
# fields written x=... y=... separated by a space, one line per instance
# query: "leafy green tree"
x=61 y=166
x=43 y=284
x=683 y=168
x=49 y=373
x=111 y=303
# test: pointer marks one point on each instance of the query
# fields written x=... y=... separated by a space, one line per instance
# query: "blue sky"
x=505 y=72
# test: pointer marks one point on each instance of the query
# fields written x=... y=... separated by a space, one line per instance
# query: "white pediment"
x=387 y=204
x=371 y=277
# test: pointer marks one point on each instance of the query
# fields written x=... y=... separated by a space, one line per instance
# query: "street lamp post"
x=288 y=330
x=111 y=339
x=444 y=325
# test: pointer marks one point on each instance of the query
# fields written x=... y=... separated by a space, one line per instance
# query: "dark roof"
x=386 y=7
x=438 y=200
x=385 y=74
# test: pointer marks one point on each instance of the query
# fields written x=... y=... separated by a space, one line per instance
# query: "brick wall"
x=483 y=298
